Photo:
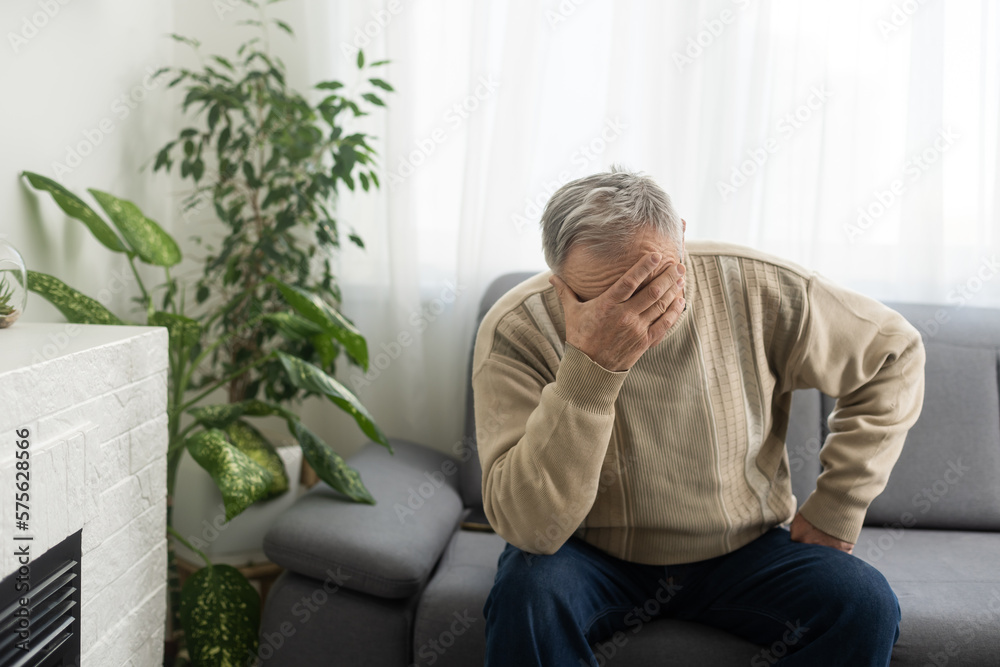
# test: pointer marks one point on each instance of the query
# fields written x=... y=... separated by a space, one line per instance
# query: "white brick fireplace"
x=93 y=399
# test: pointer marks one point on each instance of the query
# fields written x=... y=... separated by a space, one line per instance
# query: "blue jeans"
x=811 y=604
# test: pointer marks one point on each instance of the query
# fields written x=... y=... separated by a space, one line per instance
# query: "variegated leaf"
x=252 y=443
x=220 y=614
x=76 y=208
x=304 y=375
x=150 y=242
x=313 y=308
x=241 y=480
x=78 y=308
x=219 y=416
x=330 y=467
x=182 y=330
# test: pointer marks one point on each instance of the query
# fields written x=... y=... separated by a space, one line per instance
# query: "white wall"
x=74 y=76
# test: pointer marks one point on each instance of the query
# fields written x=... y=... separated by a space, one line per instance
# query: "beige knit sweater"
x=682 y=457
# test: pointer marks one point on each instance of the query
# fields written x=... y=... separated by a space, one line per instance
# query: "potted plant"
x=268 y=164
x=262 y=321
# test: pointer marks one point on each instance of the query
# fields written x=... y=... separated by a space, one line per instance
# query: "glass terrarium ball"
x=13 y=284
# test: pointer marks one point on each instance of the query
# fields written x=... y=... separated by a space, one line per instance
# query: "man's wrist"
x=583 y=382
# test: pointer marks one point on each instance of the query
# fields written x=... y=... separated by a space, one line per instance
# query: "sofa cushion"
x=387 y=549
x=308 y=622
x=948 y=474
x=449 y=627
x=948 y=585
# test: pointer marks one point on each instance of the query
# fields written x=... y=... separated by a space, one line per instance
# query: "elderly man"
x=644 y=387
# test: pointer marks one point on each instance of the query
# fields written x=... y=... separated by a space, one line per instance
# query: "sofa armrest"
x=387 y=549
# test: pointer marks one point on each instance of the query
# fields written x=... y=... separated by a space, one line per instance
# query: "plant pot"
x=199 y=513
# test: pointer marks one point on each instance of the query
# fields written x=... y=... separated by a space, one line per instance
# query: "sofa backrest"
x=471 y=474
x=948 y=475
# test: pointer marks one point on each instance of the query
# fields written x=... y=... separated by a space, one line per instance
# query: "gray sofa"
x=403 y=582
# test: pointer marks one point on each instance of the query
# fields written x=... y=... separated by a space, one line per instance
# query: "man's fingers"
x=661 y=326
x=627 y=285
x=654 y=299
x=566 y=295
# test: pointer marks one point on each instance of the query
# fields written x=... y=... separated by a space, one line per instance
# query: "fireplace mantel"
x=93 y=400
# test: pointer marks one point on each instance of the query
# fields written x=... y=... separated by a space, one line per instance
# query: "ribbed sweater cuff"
x=842 y=519
x=586 y=384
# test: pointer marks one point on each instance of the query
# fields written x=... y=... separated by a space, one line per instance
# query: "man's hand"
x=617 y=327
x=805 y=532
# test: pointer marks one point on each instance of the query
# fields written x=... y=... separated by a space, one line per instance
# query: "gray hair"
x=605 y=211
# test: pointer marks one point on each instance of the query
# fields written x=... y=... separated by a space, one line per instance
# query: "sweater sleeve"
x=542 y=445
x=871 y=360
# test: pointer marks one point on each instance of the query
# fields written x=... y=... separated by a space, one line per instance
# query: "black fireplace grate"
x=46 y=631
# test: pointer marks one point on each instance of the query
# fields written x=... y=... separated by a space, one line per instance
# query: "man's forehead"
x=588 y=273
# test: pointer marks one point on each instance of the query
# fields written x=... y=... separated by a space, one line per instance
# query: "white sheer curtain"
x=858 y=138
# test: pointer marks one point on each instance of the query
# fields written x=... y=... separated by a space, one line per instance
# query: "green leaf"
x=361 y=58
x=256 y=446
x=313 y=308
x=220 y=416
x=75 y=207
x=224 y=62
x=380 y=62
x=284 y=26
x=304 y=375
x=163 y=158
x=194 y=43
x=220 y=614
x=292 y=326
x=323 y=345
x=248 y=173
x=183 y=331
x=213 y=116
x=374 y=99
x=78 y=308
x=150 y=242
x=330 y=467
x=197 y=170
x=329 y=85
x=381 y=84
x=241 y=480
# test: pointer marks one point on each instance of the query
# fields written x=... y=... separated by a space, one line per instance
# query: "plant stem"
x=223 y=381
x=180 y=538
x=173 y=585
x=187 y=429
x=201 y=357
x=145 y=295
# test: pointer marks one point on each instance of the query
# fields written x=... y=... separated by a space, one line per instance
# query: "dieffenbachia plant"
x=220 y=436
